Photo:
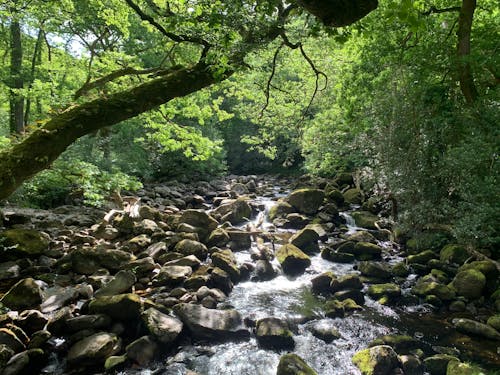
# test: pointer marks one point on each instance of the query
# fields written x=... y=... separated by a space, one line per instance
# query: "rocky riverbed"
x=228 y=276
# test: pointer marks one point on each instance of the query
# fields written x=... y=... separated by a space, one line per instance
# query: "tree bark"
x=35 y=60
x=45 y=144
x=465 y=75
x=16 y=113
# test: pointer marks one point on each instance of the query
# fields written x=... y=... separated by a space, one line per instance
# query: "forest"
x=249 y=187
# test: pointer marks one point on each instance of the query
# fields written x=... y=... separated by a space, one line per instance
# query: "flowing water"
x=291 y=299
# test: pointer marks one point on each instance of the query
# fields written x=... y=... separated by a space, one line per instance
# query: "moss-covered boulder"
x=306 y=201
x=488 y=269
x=471 y=327
x=191 y=247
x=460 y=368
x=321 y=283
x=23 y=295
x=365 y=219
x=225 y=260
x=280 y=209
x=365 y=251
x=24 y=243
x=306 y=240
x=469 y=283
x=378 y=270
x=203 y=222
x=378 y=360
x=219 y=237
x=345 y=282
x=456 y=254
x=124 y=307
x=293 y=260
x=402 y=344
x=425 y=287
x=437 y=364
x=273 y=333
x=353 y=196
x=421 y=258
x=494 y=321
x=292 y=364
x=390 y=290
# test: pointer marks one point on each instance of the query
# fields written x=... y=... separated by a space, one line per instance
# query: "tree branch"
x=273 y=71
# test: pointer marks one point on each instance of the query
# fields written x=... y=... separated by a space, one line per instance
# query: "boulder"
x=124 y=307
x=456 y=254
x=378 y=360
x=187 y=261
x=190 y=247
x=469 y=283
x=306 y=201
x=203 y=222
x=93 y=349
x=27 y=362
x=353 y=196
x=239 y=239
x=325 y=331
x=24 y=242
x=402 y=344
x=164 y=328
x=411 y=365
x=225 y=260
x=292 y=364
x=219 y=237
x=280 y=209
x=264 y=270
x=86 y=322
x=422 y=258
x=471 y=327
x=25 y=294
x=11 y=340
x=488 y=269
x=321 y=283
x=142 y=351
x=438 y=363
x=9 y=270
x=349 y=281
x=292 y=259
x=273 y=333
x=364 y=250
x=173 y=275
x=494 y=321
x=306 y=240
x=236 y=211
x=378 y=270
x=209 y=324
x=120 y=283
x=425 y=287
x=388 y=290
x=460 y=368
x=365 y=219
x=87 y=261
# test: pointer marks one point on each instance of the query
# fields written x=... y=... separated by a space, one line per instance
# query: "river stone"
x=488 y=269
x=353 y=196
x=306 y=240
x=354 y=294
x=469 y=326
x=225 y=260
x=321 y=283
x=236 y=211
x=94 y=349
x=83 y=322
x=325 y=331
x=292 y=259
x=454 y=254
x=209 y=324
x=460 y=368
x=25 y=294
x=39 y=339
x=438 y=363
x=375 y=269
x=187 y=261
x=173 y=275
x=9 y=270
x=364 y=251
x=425 y=287
x=31 y=321
x=6 y=353
x=389 y=290
x=264 y=270
x=378 y=360
x=122 y=307
x=494 y=321
x=469 y=283
x=190 y=247
x=142 y=351
x=402 y=344
x=57 y=297
x=411 y=365
x=115 y=362
x=106 y=232
x=280 y=209
x=306 y=201
x=26 y=362
x=219 y=237
x=365 y=219
x=163 y=327
x=273 y=333
x=292 y=364
x=421 y=258
x=349 y=281
x=25 y=242
x=334 y=195
x=88 y=261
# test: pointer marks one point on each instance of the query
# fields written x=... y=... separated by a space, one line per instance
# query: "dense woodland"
x=100 y=97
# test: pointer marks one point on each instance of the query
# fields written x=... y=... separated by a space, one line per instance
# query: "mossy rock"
x=365 y=219
x=306 y=201
x=402 y=344
x=437 y=364
x=366 y=251
x=469 y=283
x=293 y=260
x=390 y=290
x=334 y=195
x=24 y=243
x=292 y=364
x=273 y=333
x=494 y=321
x=472 y=327
x=124 y=307
x=353 y=196
x=378 y=360
x=306 y=240
x=280 y=209
x=424 y=288
x=460 y=368
x=378 y=270
x=488 y=269
x=225 y=260
x=456 y=254
x=422 y=258
x=400 y=269
x=23 y=295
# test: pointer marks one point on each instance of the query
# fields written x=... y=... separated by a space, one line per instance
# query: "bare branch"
x=273 y=71
x=318 y=74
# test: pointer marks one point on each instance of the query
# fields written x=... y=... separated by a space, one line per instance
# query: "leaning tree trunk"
x=16 y=116
x=45 y=144
x=465 y=75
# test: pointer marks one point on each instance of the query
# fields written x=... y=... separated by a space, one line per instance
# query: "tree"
x=223 y=33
